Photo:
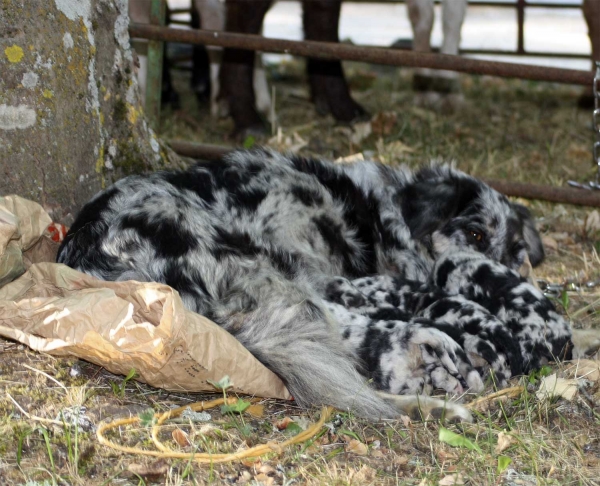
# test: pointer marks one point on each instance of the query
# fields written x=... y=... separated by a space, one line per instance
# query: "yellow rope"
x=207 y=458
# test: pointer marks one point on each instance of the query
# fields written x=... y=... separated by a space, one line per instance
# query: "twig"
x=47 y=376
x=507 y=392
x=33 y=417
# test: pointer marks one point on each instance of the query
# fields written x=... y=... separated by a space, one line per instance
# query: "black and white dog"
x=329 y=272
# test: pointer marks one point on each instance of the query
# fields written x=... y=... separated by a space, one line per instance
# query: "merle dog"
x=328 y=273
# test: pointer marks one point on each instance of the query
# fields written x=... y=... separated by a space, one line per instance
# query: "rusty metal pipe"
x=375 y=55
x=565 y=195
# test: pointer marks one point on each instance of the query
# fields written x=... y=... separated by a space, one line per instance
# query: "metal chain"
x=551 y=289
x=596 y=120
x=596 y=124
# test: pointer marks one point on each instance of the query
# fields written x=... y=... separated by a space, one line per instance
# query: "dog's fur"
x=321 y=270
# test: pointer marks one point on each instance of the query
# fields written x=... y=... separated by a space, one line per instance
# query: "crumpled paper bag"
x=22 y=224
x=117 y=325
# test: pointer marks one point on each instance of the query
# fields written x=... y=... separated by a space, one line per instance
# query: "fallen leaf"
x=365 y=474
x=283 y=423
x=181 y=438
x=360 y=131
x=383 y=122
x=503 y=463
x=350 y=158
x=549 y=243
x=552 y=386
x=397 y=147
x=150 y=472
x=446 y=456
x=256 y=410
x=456 y=440
x=266 y=469
x=244 y=477
x=585 y=368
x=592 y=223
x=252 y=463
x=504 y=442
x=400 y=461
x=357 y=447
x=264 y=479
x=452 y=479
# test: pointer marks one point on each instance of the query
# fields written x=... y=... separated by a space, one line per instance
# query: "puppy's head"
x=446 y=209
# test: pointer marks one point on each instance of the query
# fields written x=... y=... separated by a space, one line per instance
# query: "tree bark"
x=71 y=118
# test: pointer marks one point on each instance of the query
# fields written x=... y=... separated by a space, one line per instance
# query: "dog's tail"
x=299 y=342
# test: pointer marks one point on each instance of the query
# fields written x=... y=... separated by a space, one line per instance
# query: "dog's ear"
x=535 y=248
x=428 y=204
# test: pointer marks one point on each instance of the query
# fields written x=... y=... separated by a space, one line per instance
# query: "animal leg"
x=237 y=68
x=329 y=88
x=540 y=330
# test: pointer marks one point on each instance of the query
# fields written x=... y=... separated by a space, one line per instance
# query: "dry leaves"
x=584 y=368
x=504 y=442
x=552 y=386
x=257 y=410
x=357 y=447
x=181 y=438
x=452 y=479
x=150 y=472
x=591 y=226
x=384 y=122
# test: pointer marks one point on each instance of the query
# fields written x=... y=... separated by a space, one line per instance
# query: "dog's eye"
x=475 y=236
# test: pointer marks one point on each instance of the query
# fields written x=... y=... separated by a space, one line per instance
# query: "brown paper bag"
x=117 y=325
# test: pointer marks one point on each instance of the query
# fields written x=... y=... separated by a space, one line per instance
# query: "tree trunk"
x=71 y=119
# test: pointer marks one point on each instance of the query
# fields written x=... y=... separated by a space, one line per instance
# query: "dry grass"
x=519 y=130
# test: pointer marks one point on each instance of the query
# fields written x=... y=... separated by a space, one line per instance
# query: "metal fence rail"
x=566 y=195
x=374 y=55
x=520 y=5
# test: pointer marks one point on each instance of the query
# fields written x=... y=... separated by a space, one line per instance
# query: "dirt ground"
x=518 y=130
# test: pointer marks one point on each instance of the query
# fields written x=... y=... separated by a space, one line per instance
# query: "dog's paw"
x=419 y=407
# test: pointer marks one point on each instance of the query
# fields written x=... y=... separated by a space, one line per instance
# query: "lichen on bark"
x=71 y=119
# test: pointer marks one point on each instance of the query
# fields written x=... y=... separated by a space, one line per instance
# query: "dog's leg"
x=401 y=354
x=485 y=339
x=285 y=325
x=541 y=331
x=586 y=342
x=420 y=407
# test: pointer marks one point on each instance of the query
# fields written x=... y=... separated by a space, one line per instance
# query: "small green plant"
x=564 y=300
x=537 y=375
x=147 y=418
x=503 y=463
x=119 y=388
x=457 y=440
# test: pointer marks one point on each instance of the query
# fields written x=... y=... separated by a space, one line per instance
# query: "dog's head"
x=448 y=209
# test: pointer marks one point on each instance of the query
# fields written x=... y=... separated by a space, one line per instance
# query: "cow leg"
x=237 y=68
x=329 y=89
x=591 y=13
x=420 y=13
x=200 y=82
x=212 y=17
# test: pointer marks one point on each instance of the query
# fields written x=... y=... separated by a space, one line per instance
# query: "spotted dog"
x=265 y=244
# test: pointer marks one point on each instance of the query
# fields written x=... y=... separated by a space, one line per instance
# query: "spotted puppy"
x=258 y=240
